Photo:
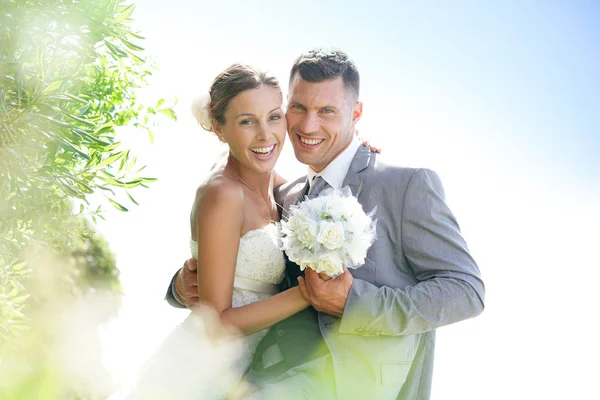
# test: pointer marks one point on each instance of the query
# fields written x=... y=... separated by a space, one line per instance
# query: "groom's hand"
x=186 y=284
x=328 y=296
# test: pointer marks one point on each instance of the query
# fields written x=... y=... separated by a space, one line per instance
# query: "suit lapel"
x=294 y=195
x=358 y=171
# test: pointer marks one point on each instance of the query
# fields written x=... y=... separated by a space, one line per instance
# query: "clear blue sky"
x=501 y=98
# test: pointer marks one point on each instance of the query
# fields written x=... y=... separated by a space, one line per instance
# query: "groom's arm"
x=450 y=288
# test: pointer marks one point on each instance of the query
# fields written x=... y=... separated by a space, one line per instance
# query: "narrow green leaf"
x=115 y=50
x=160 y=103
x=110 y=181
x=137 y=35
x=68 y=146
x=91 y=138
x=117 y=205
x=132 y=199
x=150 y=134
x=125 y=14
x=110 y=159
x=104 y=128
x=169 y=113
x=53 y=86
x=124 y=160
x=112 y=147
x=76 y=118
x=54 y=121
x=131 y=184
x=131 y=45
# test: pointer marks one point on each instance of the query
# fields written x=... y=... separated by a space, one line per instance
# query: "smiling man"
x=370 y=332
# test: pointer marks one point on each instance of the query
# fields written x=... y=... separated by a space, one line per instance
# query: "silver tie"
x=318 y=185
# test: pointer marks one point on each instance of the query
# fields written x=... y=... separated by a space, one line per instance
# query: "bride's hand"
x=186 y=284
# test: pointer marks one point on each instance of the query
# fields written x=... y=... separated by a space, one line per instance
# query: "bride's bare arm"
x=219 y=220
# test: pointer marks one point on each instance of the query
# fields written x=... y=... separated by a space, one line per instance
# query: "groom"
x=370 y=332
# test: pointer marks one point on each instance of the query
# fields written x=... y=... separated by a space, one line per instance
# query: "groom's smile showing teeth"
x=263 y=152
x=311 y=143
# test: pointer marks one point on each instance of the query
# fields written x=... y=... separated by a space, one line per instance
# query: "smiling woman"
x=233 y=237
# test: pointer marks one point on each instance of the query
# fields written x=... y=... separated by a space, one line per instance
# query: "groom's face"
x=321 y=118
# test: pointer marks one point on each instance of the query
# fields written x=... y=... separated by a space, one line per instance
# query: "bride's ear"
x=218 y=131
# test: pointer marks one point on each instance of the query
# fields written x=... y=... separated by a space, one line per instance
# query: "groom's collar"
x=335 y=172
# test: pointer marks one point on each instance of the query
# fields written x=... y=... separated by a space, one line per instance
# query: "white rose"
x=358 y=223
x=331 y=235
x=336 y=206
x=307 y=264
x=357 y=251
x=305 y=232
x=330 y=264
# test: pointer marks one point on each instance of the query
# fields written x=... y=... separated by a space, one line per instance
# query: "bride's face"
x=255 y=128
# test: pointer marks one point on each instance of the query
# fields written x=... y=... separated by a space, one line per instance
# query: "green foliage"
x=69 y=70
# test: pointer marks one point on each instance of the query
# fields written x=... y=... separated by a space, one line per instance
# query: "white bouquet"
x=328 y=232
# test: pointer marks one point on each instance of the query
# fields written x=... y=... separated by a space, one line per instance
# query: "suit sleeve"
x=449 y=287
x=171 y=296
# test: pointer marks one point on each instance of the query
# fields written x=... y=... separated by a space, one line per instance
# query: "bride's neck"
x=260 y=183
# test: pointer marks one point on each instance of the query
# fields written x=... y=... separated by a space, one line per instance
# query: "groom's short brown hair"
x=318 y=65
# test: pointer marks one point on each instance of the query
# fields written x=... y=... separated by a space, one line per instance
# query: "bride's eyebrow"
x=252 y=115
x=244 y=115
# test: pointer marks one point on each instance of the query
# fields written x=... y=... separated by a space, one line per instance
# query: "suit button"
x=281 y=333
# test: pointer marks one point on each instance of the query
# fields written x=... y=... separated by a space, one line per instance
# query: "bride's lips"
x=309 y=144
x=264 y=152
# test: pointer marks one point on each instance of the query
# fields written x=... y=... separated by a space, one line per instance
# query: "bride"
x=234 y=238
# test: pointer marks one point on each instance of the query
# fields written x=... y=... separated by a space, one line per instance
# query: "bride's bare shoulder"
x=219 y=191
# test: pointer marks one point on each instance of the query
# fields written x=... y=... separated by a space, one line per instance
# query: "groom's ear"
x=357 y=112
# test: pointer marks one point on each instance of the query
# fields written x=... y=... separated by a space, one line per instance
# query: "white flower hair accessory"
x=201 y=111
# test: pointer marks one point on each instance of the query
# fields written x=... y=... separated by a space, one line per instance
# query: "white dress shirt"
x=335 y=172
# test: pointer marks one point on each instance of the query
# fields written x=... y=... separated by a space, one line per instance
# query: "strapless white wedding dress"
x=190 y=364
x=259 y=269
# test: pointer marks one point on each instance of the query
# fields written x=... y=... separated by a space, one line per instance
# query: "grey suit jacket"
x=419 y=275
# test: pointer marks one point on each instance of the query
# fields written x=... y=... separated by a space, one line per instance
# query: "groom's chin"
x=303 y=156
